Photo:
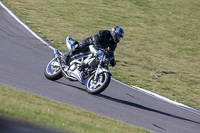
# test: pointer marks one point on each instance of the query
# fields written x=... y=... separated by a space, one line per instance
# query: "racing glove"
x=113 y=62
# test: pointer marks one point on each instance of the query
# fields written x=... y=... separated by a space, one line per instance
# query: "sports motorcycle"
x=90 y=68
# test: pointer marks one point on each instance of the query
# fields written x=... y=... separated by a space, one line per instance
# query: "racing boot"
x=69 y=54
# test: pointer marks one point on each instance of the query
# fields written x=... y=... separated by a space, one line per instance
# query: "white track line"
x=134 y=87
x=160 y=97
x=25 y=26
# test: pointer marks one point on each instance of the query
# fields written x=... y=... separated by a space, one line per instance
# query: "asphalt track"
x=22 y=61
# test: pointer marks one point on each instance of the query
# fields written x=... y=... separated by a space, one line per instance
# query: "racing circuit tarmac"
x=22 y=61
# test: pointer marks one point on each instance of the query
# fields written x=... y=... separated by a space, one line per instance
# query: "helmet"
x=117 y=33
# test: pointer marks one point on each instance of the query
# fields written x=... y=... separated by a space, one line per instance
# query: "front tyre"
x=52 y=70
x=102 y=82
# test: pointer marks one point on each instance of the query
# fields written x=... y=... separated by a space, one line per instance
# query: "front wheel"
x=102 y=82
x=52 y=70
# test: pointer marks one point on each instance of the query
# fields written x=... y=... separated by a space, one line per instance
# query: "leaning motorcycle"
x=90 y=69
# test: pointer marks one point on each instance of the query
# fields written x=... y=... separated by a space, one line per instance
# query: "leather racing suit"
x=103 y=39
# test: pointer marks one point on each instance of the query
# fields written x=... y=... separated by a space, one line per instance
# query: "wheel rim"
x=53 y=67
x=94 y=85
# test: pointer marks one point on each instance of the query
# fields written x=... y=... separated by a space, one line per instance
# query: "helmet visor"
x=119 y=37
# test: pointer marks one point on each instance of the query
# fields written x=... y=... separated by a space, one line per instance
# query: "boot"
x=66 y=58
x=69 y=54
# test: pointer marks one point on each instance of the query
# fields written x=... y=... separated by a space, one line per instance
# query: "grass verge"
x=35 y=109
x=160 y=50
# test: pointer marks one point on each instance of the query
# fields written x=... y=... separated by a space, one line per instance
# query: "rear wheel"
x=102 y=82
x=52 y=70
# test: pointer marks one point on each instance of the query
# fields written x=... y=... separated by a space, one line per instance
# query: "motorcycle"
x=90 y=68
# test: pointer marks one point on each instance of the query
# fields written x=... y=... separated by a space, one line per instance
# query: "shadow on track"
x=82 y=89
x=143 y=107
x=130 y=103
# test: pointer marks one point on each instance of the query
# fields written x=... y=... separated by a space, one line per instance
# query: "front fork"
x=99 y=67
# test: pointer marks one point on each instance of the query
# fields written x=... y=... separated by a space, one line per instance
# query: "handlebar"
x=104 y=50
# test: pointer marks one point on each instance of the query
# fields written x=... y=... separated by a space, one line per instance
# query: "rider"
x=103 y=39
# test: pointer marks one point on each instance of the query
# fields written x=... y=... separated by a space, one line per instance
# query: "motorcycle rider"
x=103 y=39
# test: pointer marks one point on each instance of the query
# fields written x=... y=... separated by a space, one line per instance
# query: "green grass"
x=47 y=113
x=160 y=50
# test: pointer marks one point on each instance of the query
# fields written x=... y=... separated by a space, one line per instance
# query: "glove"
x=113 y=62
x=109 y=55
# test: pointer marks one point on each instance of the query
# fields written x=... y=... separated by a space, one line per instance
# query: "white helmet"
x=117 y=33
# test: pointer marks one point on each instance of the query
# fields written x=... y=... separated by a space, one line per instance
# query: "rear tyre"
x=102 y=82
x=52 y=70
